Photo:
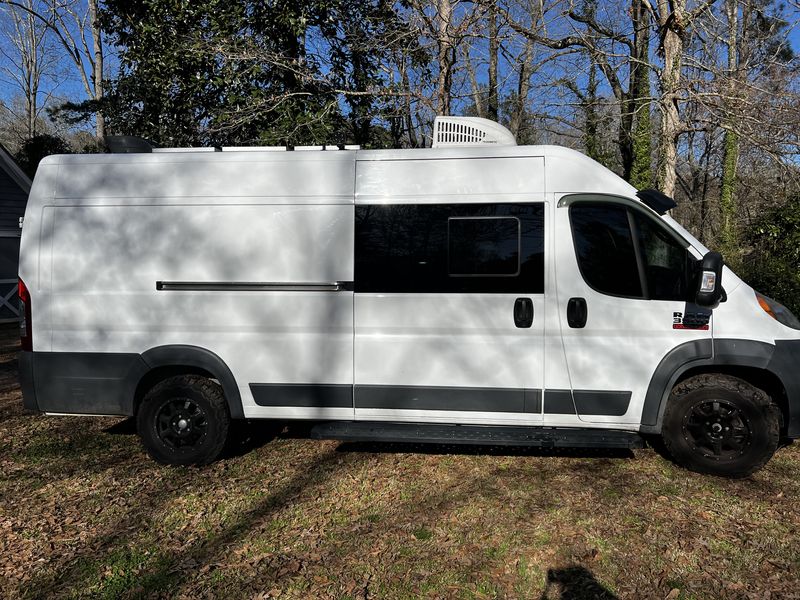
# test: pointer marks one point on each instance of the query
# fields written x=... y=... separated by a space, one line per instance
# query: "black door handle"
x=577 y=313
x=523 y=312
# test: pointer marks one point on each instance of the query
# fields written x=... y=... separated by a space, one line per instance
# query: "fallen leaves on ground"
x=85 y=513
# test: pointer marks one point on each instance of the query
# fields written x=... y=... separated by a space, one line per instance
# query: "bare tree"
x=674 y=21
x=601 y=42
x=29 y=59
x=730 y=144
x=740 y=96
x=76 y=27
x=446 y=23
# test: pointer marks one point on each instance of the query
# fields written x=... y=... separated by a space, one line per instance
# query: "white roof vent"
x=451 y=132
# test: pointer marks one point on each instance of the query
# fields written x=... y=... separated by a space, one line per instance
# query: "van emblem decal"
x=690 y=320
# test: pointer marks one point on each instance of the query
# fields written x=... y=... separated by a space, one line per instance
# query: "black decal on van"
x=450 y=248
x=693 y=317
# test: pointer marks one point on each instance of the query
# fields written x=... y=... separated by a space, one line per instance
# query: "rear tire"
x=720 y=425
x=184 y=420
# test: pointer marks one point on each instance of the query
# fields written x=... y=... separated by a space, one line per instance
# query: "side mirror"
x=709 y=280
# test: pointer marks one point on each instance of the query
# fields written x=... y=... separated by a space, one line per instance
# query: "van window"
x=666 y=261
x=605 y=235
x=604 y=247
x=483 y=246
x=450 y=248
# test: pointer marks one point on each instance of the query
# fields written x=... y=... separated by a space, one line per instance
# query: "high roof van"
x=474 y=292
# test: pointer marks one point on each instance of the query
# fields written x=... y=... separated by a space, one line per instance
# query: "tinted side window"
x=666 y=261
x=450 y=248
x=604 y=248
x=483 y=246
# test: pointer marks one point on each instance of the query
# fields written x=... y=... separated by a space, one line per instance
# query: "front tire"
x=184 y=420
x=720 y=425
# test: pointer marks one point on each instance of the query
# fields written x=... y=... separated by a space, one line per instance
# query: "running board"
x=490 y=435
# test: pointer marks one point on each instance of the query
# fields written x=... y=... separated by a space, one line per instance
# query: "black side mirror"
x=709 y=280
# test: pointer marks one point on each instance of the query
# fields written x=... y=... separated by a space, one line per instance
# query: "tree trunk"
x=445 y=57
x=523 y=87
x=641 y=152
x=493 y=104
x=591 y=137
x=671 y=126
x=730 y=143
x=407 y=116
x=30 y=60
x=473 y=80
x=97 y=71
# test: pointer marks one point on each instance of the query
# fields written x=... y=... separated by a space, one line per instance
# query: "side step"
x=490 y=435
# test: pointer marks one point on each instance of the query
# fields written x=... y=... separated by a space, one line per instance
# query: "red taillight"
x=25 y=336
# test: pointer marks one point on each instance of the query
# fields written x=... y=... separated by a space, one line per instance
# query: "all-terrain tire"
x=720 y=425
x=184 y=420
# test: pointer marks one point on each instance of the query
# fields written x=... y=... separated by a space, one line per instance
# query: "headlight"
x=778 y=311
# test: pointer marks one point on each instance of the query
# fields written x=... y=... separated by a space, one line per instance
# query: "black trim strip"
x=444 y=398
x=303 y=395
x=533 y=401
x=253 y=286
x=558 y=402
x=509 y=400
x=602 y=402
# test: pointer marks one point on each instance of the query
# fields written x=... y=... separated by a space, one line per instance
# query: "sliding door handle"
x=523 y=312
x=577 y=313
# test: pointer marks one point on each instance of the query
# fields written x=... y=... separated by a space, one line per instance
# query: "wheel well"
x=158 y=375
x=760 y=378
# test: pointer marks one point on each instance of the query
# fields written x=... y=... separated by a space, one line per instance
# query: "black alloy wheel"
x=717 y=429
x=720 y=424
x=184 y=420
x=181 y=422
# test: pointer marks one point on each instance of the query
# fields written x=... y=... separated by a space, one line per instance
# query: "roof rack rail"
x=190 y=149
x=131 y=144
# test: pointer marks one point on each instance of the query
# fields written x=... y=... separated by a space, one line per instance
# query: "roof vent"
x=449 y=132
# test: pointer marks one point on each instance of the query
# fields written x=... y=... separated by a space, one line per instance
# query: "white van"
x=473 y=292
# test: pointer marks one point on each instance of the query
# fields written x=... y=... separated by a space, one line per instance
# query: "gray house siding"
x=14 y=188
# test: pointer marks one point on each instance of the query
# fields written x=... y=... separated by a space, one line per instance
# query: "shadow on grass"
x=574 y=583
x=174 y=569
x=480 y=450
x=170 y=568
x=302 y=431
x=243 y=436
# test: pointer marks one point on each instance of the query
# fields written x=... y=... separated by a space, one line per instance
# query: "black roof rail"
x=656 y=200
x=128 y=144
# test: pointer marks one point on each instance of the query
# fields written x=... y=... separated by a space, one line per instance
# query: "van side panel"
x=287 y=177
x=114 y=249
x=448 y=180
x=108 y=259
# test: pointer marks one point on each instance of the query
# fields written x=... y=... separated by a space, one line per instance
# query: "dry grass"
x=84 y=513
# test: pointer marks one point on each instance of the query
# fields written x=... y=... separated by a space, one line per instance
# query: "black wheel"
x=184 y=420
x=721 y=425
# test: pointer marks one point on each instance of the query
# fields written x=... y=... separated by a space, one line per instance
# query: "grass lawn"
x=85 y=513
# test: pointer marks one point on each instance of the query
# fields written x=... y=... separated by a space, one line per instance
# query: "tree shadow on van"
x=574 y=583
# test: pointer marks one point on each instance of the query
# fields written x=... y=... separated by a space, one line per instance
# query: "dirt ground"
x=85 y=513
